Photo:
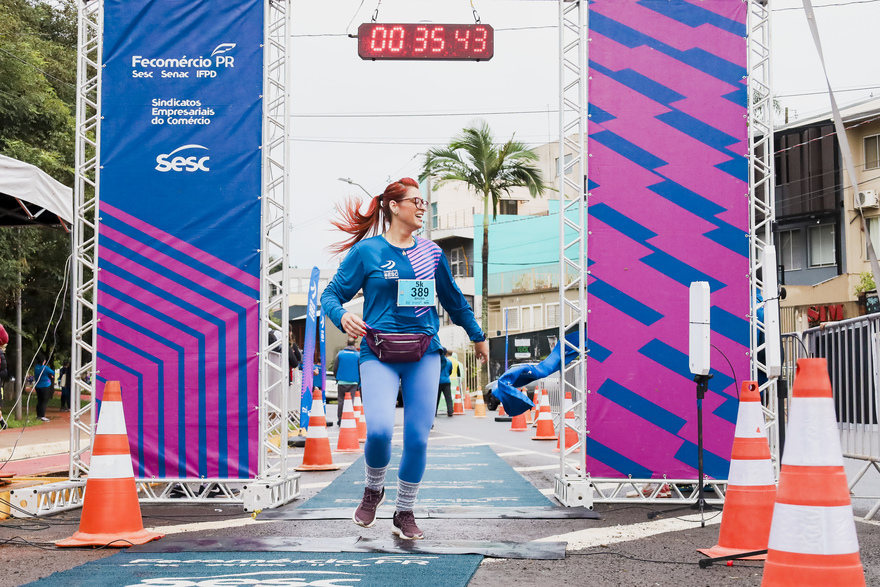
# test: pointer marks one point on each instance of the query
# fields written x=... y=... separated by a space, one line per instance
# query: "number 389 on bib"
x=415 y=292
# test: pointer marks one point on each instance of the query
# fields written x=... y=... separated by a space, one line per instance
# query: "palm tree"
x=490 y=170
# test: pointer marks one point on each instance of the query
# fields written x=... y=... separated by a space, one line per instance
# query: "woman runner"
x=401 y=276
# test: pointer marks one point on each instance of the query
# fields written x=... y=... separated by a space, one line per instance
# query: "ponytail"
x=376 y=219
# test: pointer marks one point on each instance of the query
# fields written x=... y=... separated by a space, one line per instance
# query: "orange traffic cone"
x=457 y=406
x=480 y=407
x=348 y=433
x=316 y=455
x=361 y=419
x=571 y=435
x=544 y=429
x=518 y=423
x=111 y=514
x=751 y=489
x=501 y=411
x=813 y=534
x=466 y=397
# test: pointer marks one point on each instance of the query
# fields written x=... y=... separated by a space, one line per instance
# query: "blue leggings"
x=379 y=384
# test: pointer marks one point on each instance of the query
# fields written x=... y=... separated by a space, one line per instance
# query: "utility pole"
x=429 y=210
x=19 y=380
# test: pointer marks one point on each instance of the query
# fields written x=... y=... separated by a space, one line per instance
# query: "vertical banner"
x=179 y=281
x=668 y=181
x=308 y=369
x=323 y=351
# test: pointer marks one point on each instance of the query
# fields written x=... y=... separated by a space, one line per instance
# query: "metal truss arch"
x=573 y=486
x=275 y=483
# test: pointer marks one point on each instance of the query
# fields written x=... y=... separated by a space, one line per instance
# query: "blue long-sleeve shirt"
x=346 y=366
x=445 y=370
x=375 y=266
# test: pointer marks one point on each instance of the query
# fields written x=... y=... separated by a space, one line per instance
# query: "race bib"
x=415 y=292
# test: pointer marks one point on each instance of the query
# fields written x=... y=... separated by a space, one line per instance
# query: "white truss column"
x=762 y=208
x=85 y=229
x=276 y=483
x=573 y=487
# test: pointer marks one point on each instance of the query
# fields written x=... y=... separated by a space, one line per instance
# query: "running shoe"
x=404 y=525
x=44 y=419
x=365 y=514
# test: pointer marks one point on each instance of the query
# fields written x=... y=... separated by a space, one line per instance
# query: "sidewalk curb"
x=29 y=451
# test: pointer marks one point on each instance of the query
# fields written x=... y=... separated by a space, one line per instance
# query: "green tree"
x=37 y=104
x=491 y=170
x=38 y=84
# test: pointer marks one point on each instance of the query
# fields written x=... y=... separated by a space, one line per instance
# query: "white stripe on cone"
x=112 y=419
x=750 y=421
x=111 y=467
x=348 y=423
x=796 y=528
x=316 y=431
x=815 y=442
x=751 y=473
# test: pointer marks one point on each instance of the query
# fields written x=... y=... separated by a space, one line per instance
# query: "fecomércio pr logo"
x=181 y=66
x=191 y=163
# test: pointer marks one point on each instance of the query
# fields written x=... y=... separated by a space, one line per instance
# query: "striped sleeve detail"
x=424 y=259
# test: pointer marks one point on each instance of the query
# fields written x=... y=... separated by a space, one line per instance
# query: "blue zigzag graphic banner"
x=179 y=232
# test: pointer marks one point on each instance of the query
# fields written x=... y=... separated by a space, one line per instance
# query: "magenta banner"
x=668 y=175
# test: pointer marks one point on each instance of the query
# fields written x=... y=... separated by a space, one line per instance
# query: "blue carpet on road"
x=193 y=569
x=456 y=476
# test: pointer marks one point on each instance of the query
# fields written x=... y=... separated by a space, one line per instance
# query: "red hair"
x=376 y=219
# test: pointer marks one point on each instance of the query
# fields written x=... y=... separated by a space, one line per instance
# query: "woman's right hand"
x=353 y=325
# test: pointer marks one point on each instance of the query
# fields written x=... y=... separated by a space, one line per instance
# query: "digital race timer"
x=475 y=42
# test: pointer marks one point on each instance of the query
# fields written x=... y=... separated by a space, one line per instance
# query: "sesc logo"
x=180 y=163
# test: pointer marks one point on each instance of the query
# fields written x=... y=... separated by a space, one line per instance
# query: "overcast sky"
x=370 y=121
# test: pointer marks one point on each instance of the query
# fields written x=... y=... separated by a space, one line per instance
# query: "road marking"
x=313 y=485
x=477 y=442
x=592 y=537
x=199 y=526
x=537 y=468
x=514 y=454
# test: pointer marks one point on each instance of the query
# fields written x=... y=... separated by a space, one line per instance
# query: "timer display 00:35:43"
x=474 y=42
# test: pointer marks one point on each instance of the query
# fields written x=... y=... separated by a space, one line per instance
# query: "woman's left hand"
x=482 y=350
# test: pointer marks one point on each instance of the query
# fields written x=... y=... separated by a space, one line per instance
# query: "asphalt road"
x=623 y=548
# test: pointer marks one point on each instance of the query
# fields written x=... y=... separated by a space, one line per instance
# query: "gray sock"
x=375 y=477
x=406 y=495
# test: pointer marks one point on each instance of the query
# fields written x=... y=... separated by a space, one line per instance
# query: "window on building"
x=789 y=249
x=458 y=262
x=568 y=159
x=552 y=315
x=434 y=215
x=508 y=207
x=823 y=252
x=872 y=152
x=512 y=317
x=874 y=232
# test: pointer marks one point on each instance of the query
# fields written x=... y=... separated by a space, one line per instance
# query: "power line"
x=827 y=5
x=818 y=92
x=14 y=56
x=419 y=114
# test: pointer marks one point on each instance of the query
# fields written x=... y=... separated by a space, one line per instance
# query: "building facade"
x=821 y=248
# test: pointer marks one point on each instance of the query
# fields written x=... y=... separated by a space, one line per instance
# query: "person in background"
x=64 y=379
x=402 y=276
x=445 y=385
x=44 y=382
x=4 y=369
x=348 y=374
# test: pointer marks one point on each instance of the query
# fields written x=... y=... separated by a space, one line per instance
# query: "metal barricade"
x=851 y=349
